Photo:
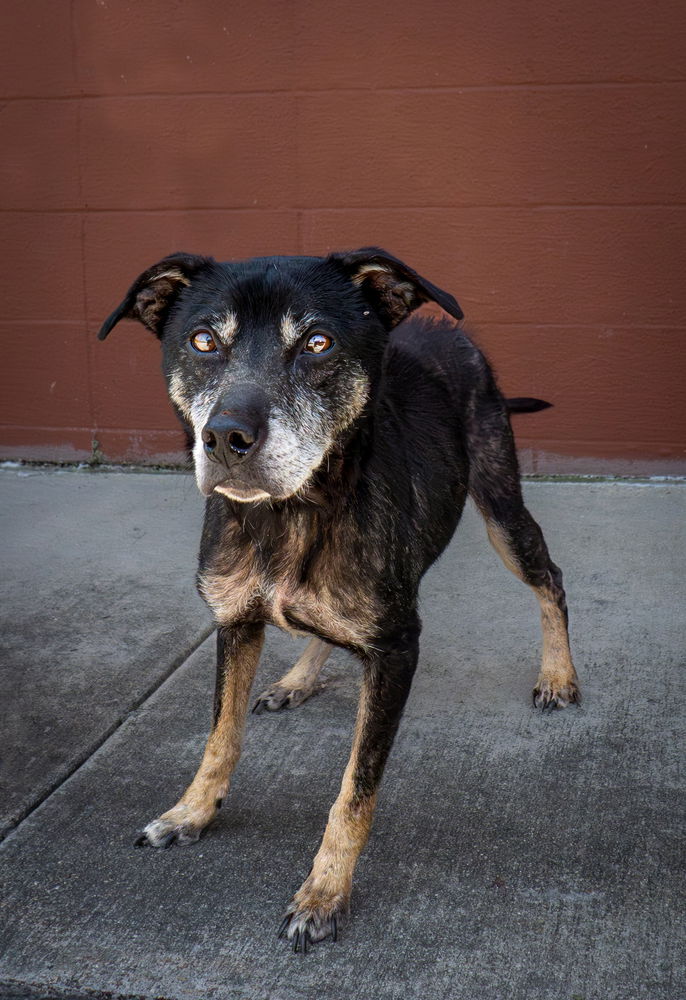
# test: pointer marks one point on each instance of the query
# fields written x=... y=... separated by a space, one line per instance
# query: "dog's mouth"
x=244 y=494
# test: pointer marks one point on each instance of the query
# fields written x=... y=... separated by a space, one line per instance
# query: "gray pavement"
x=514 y=855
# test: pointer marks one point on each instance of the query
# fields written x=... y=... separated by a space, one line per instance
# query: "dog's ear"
x=391 y=286
x=153 y=292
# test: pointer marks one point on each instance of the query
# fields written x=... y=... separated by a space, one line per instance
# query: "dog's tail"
x=526 y=404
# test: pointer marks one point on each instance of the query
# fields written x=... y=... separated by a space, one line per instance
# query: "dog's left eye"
x=318 y=343
x=203 y=341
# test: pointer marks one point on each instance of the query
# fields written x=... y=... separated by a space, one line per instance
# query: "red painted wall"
x=529 y=157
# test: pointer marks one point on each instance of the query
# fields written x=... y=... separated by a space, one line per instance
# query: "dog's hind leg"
x=495 y=487
x=238 y=651
x=519 y=542
x=299 y=683
x=325 y=894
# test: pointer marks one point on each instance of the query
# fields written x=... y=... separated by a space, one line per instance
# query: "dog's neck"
x=326 y=490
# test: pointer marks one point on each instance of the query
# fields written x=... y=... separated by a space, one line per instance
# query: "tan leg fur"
x=557 y=684
x=325 y=894
x=299 y=682
x=199 y=803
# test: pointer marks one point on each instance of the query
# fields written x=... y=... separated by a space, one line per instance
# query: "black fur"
x=340 y=551
x=525 y=404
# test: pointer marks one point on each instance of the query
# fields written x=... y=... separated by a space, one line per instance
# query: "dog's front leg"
x=325 y=894
x=238 y=652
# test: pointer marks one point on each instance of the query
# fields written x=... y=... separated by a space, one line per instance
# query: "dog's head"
x=271 y=360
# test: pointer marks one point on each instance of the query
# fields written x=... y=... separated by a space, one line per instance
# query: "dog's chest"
x=327 y=600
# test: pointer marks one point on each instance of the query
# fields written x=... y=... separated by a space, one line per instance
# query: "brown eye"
x=318 y=343
x=203 y=341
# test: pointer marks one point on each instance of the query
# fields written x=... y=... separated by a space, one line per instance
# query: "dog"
x=336 y=438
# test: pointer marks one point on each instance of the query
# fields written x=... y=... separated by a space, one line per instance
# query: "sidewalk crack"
x=78 y=762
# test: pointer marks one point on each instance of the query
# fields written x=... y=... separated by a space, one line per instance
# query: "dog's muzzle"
x=236 y=427
x=249 y=450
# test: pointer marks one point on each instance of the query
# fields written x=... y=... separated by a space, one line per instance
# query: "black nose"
x=228 y=436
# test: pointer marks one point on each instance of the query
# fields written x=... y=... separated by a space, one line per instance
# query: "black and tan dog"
x=336 y=441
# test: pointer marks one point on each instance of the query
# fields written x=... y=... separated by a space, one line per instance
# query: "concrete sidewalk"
x=514 y=855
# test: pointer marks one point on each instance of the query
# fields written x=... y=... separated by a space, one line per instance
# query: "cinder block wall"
x=529 y=157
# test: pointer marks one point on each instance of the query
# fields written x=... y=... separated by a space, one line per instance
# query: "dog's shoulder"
x=425 y=353
x=433 y=371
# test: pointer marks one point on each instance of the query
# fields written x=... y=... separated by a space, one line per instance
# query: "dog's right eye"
x=203 y=341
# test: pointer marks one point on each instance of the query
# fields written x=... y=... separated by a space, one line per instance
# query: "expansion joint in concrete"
x=78 y=762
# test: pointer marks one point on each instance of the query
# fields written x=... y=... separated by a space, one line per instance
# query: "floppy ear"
x=391 y=286
x=153 y=292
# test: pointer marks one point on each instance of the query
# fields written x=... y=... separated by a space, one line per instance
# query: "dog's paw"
x=178 y=826
x=303 y=924
x=549 y=695
x=277 y=697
